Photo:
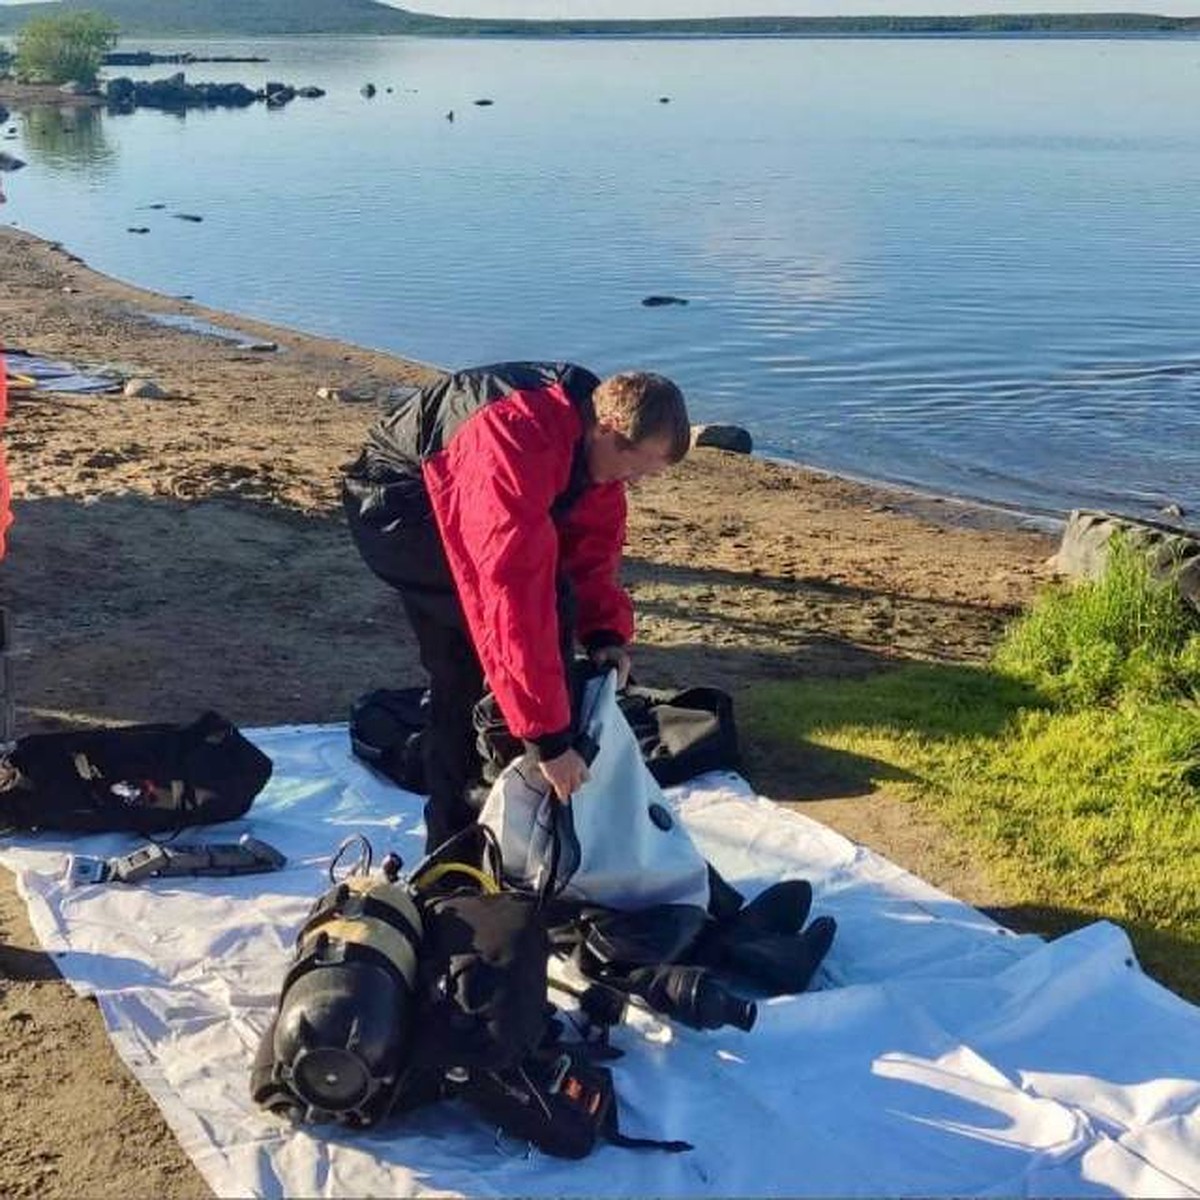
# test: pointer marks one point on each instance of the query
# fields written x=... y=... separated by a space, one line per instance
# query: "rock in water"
x=662 y=301
x=723 y=437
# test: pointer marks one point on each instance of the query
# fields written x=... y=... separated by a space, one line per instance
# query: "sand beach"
x=183 y=552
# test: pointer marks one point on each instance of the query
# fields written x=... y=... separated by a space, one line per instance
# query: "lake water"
x=969 y=265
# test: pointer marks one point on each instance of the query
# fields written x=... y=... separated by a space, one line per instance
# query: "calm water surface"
x=970 y=265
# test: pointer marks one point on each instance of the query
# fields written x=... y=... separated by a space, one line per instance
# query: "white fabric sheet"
x=942 y=1055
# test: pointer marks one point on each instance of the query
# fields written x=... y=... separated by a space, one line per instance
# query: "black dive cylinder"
x=342 y=1035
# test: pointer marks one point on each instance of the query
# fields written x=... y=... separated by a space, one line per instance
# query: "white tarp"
x=942 y=1055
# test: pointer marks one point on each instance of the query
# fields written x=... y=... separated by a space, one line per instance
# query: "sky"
x=801 y=8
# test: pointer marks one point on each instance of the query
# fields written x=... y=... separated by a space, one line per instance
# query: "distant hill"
x=216 y=18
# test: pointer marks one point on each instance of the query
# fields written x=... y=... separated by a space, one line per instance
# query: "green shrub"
x=1070 y=768
x=69 y=46
x=1125 y=634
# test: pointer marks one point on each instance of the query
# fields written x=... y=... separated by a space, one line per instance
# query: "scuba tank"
x=341 y=1038
x=380 y=955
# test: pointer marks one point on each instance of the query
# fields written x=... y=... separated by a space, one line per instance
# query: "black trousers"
x=456 y=683
x=405 y=551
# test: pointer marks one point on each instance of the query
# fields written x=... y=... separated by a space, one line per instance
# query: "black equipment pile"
x=407 y=991
x=403 y=992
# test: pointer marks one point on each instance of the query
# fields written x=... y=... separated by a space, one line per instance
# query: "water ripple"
x=905 y=280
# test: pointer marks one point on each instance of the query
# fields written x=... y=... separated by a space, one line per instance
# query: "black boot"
x=781 y=908
x=782 y=963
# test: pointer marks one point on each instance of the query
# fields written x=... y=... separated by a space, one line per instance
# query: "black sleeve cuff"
x=549 y=745
x=601 y=639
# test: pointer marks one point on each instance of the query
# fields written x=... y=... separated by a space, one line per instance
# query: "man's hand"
x=614 y=656
x=565 y=774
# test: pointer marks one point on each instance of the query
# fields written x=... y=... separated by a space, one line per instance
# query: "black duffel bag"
x=386 y=726
x=147 y=779
x=681 y=734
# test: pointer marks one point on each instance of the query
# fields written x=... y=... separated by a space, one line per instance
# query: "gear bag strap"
x=557 y=1101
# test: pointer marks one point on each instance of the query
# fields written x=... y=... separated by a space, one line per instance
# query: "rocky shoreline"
x=185 y=550
x=172 y=93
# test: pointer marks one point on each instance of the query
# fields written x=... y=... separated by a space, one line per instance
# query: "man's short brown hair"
x=641 y=405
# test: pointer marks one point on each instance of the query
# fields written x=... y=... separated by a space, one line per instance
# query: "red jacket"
x=501 y=453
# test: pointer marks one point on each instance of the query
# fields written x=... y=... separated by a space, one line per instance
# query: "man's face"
x=612 y=457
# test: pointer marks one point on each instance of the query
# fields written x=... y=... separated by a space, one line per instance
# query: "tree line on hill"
x=261 y=17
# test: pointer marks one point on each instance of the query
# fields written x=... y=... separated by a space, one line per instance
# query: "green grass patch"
x=1071 y=765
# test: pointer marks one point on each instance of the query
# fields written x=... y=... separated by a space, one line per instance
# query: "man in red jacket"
x=494 y=502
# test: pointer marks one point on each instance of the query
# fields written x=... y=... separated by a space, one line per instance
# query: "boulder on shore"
x=723 y=437
x=143 y=389
x=1172 y=550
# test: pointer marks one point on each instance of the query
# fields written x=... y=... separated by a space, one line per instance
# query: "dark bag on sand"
x=147 y=779
x=680 y=734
